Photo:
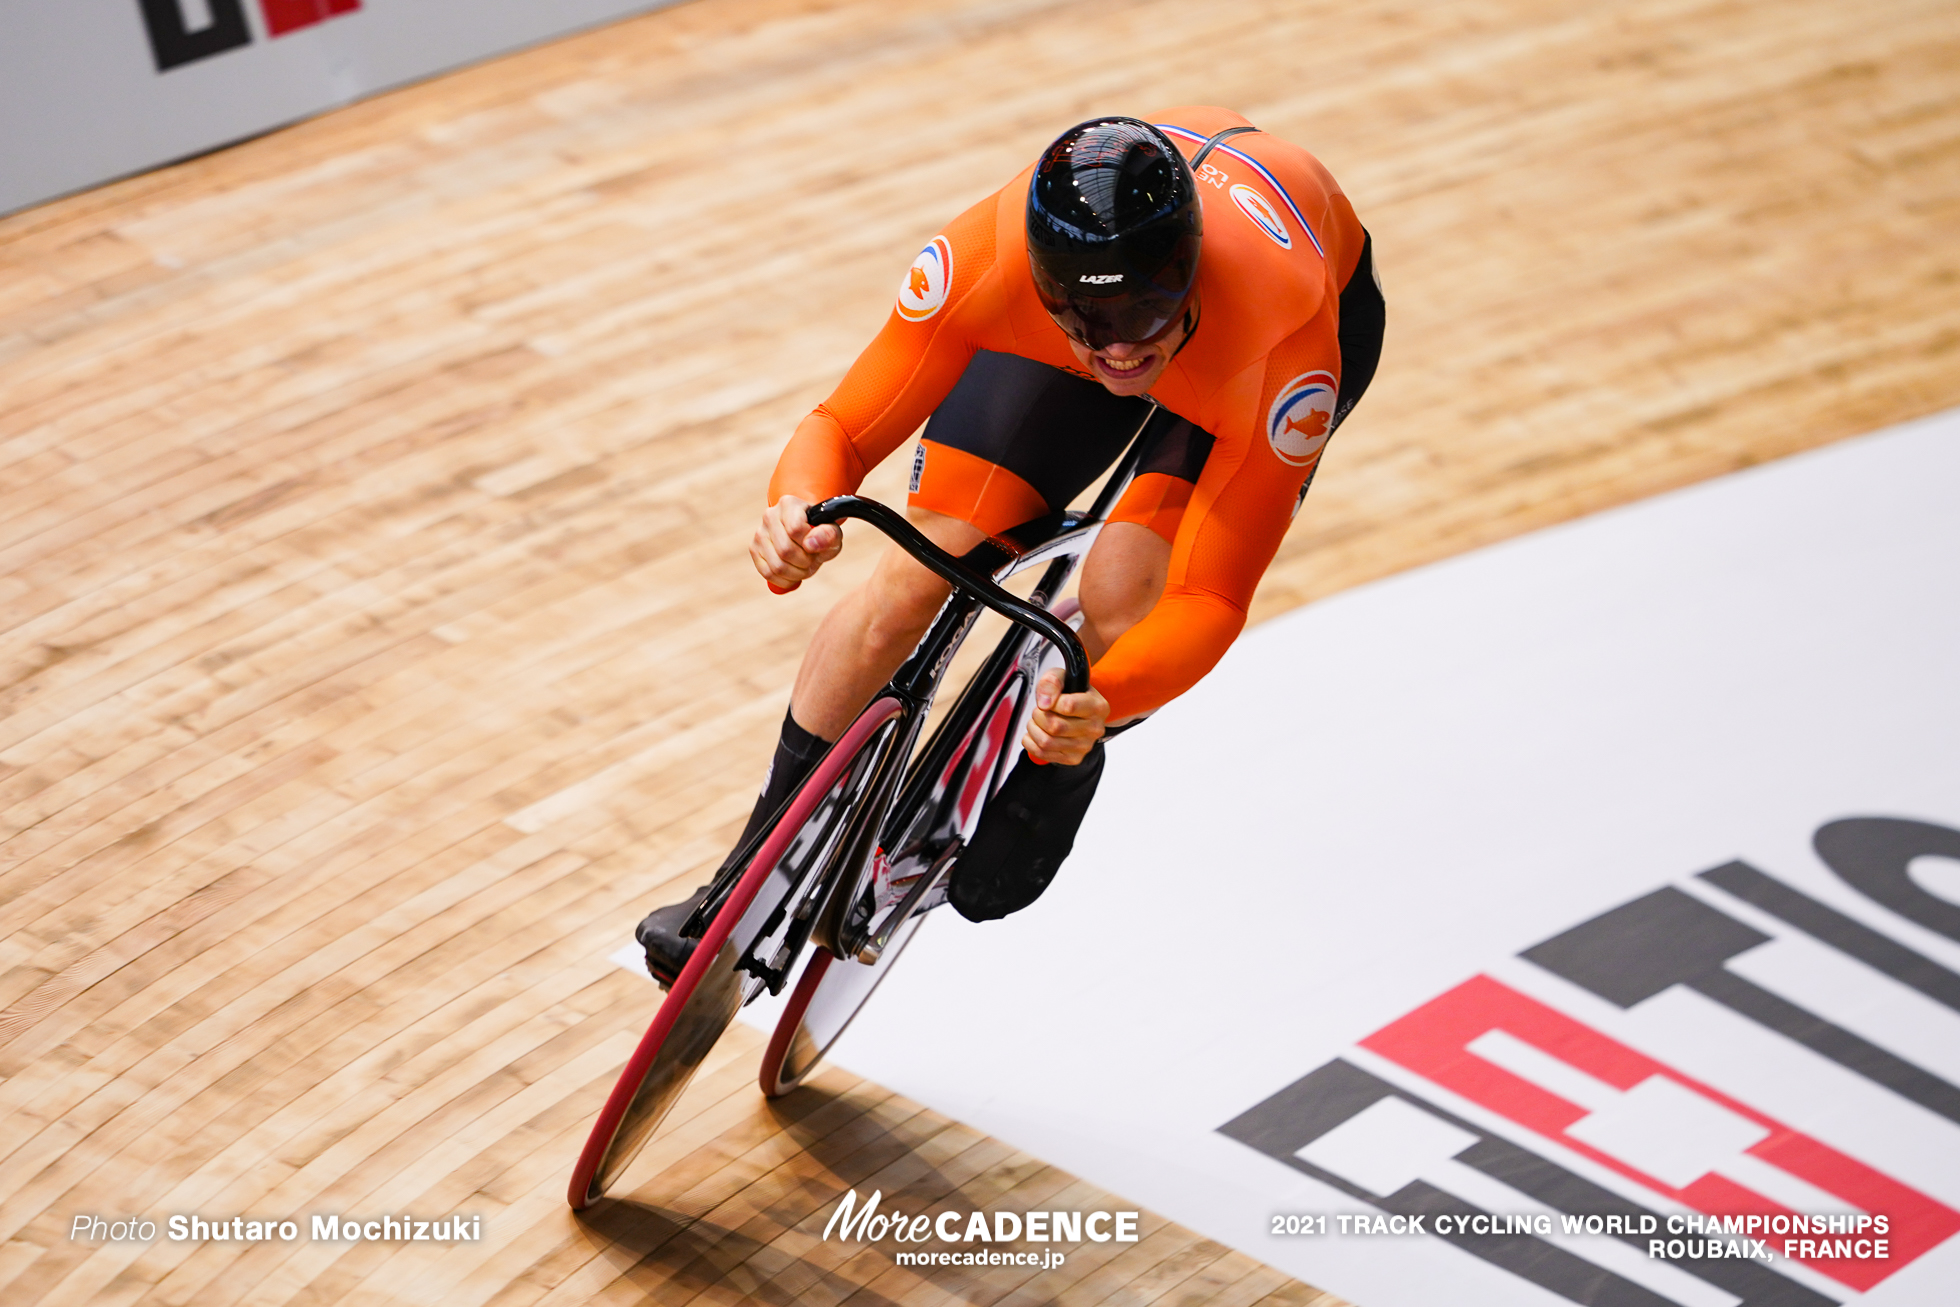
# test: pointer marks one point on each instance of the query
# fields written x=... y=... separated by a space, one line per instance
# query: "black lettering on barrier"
x=1829 y=926
x=1670 y=938
x=1757 y=1285
x=1871 y=854
x=1315 y=1104
x=1643 y=947
x=173 y=42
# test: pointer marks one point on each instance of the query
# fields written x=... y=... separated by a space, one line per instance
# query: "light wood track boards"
x=376 y=641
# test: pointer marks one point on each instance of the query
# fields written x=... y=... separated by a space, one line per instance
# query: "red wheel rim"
x=790 y=1022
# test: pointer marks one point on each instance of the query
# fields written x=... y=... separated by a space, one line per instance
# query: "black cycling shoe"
x=1024 y=834
x=660 y=935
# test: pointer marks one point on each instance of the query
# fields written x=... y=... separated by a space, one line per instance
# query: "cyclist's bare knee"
x=1122 y=579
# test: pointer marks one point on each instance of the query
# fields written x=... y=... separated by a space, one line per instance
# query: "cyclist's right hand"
x=787 y=550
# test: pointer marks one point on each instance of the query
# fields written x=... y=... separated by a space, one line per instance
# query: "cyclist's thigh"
x=1122 y=580
x=1172 y=459
x=902 y=582
x=1016 y=440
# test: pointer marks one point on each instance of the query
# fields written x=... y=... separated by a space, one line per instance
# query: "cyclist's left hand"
x=1064 y=726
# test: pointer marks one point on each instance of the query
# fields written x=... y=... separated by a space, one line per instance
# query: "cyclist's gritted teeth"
x=1134 y=369
x=1126 y=367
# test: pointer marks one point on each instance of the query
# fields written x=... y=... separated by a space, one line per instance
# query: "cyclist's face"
x=1127 y=369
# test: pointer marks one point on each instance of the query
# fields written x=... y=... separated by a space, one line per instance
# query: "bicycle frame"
x=818 y=906
x=810 y=872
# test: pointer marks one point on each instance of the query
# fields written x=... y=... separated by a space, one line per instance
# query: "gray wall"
x=95 y=89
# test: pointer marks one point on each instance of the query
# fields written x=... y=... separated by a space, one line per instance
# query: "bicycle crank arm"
x=874 y=947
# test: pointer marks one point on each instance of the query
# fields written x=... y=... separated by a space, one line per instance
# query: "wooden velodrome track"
x=378 y=642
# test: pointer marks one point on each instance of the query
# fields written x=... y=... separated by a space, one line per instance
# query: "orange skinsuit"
x=1268 y=319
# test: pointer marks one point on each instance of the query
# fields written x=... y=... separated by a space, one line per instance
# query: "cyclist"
x=1236 y=290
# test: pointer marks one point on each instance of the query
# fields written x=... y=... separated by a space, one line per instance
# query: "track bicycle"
x=862 y=850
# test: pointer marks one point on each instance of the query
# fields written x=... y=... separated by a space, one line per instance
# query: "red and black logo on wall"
x=183 y=31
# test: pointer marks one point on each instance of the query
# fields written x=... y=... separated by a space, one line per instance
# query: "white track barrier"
x=95 y=89
x=1294 y=968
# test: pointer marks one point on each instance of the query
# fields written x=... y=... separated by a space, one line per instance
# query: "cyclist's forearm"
x=1166 y=653
x=819 y=461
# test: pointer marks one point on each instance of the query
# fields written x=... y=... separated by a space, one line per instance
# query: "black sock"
x=797 y=752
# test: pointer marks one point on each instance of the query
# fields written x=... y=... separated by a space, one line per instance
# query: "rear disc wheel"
x=826 y=998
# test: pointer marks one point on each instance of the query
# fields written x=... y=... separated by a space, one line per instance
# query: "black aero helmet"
x=1113 y=232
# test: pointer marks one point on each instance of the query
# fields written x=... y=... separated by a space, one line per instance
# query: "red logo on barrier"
x=1445 y=1041
x=283 y=16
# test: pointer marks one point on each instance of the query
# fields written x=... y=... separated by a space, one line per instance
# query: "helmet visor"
x=1137 y=316
x=1102 y=323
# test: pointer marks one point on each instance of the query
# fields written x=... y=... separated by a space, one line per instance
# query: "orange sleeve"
x=911 y=365
x=1239 y=511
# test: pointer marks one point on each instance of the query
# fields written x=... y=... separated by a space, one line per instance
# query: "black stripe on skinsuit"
x=1364 y=320
x=1056 y=431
